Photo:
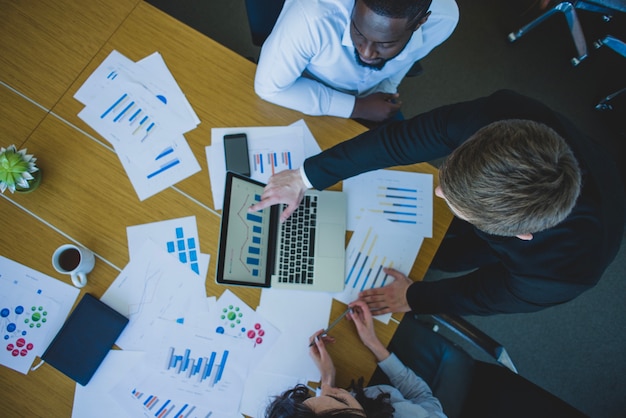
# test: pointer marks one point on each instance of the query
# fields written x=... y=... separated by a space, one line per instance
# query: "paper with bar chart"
x=271 y=149
x=376 y=244
x=401 y=197
x=141 y=111
x=189 y=374
x=179 y=237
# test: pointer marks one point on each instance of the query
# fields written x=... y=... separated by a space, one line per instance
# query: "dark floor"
x=576 y=351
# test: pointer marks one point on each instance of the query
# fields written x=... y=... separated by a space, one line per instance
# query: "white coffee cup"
x=74 y=260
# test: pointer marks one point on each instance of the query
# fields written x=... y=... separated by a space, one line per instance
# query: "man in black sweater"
x=539 y=206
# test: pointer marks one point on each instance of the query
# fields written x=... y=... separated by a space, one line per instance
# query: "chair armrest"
x=464 y=329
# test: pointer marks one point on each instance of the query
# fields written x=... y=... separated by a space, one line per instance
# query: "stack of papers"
x=271 y=149
x=197 y=355
x=140 y=110
x=390 y=212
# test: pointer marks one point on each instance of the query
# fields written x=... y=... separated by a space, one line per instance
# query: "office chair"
x=568 y=9
x=466 y=386
x=618 y=46
x=262 y=15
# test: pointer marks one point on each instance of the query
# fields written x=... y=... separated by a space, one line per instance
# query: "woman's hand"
x=364 y=322
x=320 y=356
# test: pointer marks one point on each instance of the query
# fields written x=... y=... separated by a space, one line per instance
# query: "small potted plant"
x=18 y=171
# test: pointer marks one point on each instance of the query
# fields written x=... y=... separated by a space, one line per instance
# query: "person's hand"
x=364 y=323
x=376 y=107
x=389 y=298
x=284 y=187
x=320 y=356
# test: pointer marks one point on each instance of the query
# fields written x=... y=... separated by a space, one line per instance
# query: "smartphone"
x=236 y=153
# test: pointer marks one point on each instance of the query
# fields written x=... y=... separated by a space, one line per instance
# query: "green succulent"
x=15 y=168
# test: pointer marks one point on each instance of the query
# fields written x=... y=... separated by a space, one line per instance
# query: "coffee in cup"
x=74 y=260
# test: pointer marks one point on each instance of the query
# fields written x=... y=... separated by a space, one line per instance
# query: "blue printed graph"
x=163 y=163
x=366 y=267
x=208 y=369
x=128 y=112
x=185 y=249
x=253 y=246
x=164 y=408
x=399 y=204
x=272 y=161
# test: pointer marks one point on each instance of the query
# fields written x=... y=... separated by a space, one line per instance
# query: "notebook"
x=252 y=246
x=85 y=339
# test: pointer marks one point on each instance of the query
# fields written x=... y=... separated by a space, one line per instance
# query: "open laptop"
x=252 y=246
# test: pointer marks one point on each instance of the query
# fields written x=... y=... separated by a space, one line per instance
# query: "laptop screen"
x=245 y=238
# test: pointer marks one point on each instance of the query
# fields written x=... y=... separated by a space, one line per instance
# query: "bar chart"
x=271 y=162
x=252 y=248
x=209 y=368
x=159 y=407
x=185 y=248
x=375 y=245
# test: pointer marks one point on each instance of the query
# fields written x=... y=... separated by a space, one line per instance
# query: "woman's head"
x=298 y=402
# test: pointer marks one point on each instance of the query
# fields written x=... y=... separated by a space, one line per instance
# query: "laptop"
x=256 y=249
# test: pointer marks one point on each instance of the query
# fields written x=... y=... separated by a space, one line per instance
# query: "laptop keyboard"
x=298 y=244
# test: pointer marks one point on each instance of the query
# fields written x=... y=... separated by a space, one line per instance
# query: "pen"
x=331 y=326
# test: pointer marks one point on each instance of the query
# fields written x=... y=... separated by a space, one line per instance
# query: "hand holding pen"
x=322 y=358
x=325 y=332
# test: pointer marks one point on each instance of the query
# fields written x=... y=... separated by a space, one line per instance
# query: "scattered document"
x=141 y=111
x=153 y=286
x=94 y=400
x=179 y=237
x=377 y=243
x=187 y=372
x=397 y=196
x=270 y=149
x=33 y=308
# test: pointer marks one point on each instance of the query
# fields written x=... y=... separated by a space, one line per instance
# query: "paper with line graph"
x=153 y=287
x=401 y=197
x=377 y=244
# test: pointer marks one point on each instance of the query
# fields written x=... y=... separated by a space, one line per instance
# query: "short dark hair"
x=412 y=10
x=512 y=177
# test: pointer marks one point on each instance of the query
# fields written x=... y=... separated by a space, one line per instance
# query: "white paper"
x=232 y=317
x=141 y=111
x=375 y=244
x=159 y=165
x=179 y=237
x=286 y=146
x=298 y=315
x=33 y=308
x=188 y=371
x=153 y=286
x=398 y=196
x=94 y=400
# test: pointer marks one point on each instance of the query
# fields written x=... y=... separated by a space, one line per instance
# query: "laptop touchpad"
x=332 y=243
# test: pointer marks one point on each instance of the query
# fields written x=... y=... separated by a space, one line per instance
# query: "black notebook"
x=85 y=339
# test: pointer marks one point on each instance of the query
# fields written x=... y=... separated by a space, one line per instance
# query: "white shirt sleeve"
x=284 y=57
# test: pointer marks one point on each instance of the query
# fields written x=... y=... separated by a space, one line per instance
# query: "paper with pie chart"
x=33 y=307
x=231 y=316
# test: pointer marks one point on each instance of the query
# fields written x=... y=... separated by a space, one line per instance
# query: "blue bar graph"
x=200 y=368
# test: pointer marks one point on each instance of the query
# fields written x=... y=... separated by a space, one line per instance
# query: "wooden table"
x=86 y=197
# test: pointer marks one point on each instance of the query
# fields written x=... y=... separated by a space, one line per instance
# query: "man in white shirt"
x=346 y=58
